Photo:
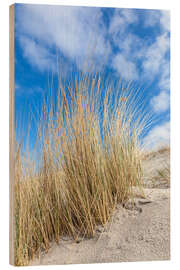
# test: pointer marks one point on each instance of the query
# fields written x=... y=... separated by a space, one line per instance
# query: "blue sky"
x=133 y=44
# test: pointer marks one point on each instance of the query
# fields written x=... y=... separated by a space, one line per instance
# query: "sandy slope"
x=134 y=234
x=153 y=163
x=131 y=236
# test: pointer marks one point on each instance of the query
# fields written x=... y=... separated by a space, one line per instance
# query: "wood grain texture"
x=11 y=134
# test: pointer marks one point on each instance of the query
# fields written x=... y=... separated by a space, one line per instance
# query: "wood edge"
x=11 y=135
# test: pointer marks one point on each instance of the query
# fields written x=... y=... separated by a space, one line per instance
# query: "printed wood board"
x=89 y=134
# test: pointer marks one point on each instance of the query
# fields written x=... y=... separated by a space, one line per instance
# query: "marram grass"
x=90 y=159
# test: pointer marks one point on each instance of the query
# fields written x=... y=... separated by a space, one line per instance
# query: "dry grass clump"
x=164 y=174
x=89 y=161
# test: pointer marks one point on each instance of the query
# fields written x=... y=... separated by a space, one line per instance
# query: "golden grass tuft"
x=90 y=161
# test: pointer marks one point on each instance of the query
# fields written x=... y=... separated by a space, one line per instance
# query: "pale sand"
x=138 y=234
x=131 y=236
x=152 y=163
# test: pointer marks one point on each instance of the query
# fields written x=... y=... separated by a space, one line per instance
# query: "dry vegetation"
x=90 y=160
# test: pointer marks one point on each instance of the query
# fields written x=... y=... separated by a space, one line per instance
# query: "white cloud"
x=129 y=15
x=130 y=45
x=155 y=61
x=76 y=31
x=152 y=17
x=159 y=136
x=117 y=23
x=124 y=67
x=124 y=40
x=36 y=54
x=165 y=20
x=154 y=55
x=121 y=19
x=132 y=48
x=79 y=33
x=26 y=90
x=164 y=81
x=161 y=102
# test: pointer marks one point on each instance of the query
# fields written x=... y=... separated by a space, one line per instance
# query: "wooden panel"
x=11 y=134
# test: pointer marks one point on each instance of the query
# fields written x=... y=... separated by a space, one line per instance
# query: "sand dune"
x=135 y=233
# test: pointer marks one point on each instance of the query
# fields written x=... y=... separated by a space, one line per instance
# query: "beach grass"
x=89 y=161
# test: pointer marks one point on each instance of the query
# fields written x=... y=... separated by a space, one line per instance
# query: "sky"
x=133 y=44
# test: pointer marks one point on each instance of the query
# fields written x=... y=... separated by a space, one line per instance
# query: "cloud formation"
x=36 y=54
x=155 y=54
x=80 y=33
x=159 y=136
x=121 y=19
x=160 y=103
x=75 y=31
x=133 y=44
x=126 y=68
x=156 y=62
